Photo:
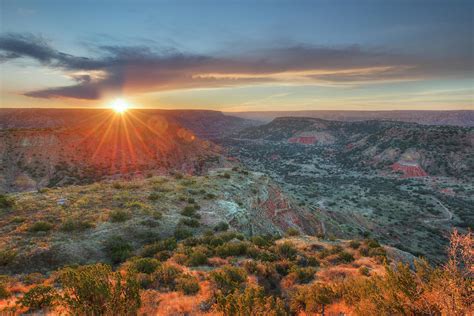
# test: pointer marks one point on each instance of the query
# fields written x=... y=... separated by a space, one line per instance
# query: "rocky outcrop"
x=409 y=169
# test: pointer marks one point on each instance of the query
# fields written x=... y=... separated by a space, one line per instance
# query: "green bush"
x=7 y=256
x=145 y=265
x=156 y=215
x=292 y=232
x=189 y=211
x=287 y=250
x=251 y=301
x=18 y=219
x=210 y=196
x=191 y=222
x=119 y=216
x=162 y=245
x=221 y=227
x=166 y=276
x=354 y=244
x=96 y=290
x=39 y=297
x=71 y=225
x=187 y=284
x=345 y=257
x=312 y=299
x=232 y=249
x=5 y=202
x=41 y=227
x=364 y=271
x=197 y=258
x=262 y=241
x=118 y=249
x=304 y=275
x=182 y=233
x=372 y=243
x=228 y=279
x=4 y=293
x=154 y=196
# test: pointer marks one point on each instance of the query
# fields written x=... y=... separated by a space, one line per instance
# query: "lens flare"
x=119 y=106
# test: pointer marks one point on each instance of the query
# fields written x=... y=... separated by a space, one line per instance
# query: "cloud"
x=135 y=69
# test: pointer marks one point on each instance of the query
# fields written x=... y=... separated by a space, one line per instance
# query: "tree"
x=97 y=290
x=313 y=298
x=39 y=297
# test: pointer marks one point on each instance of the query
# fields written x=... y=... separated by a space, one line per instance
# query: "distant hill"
x=205 y=124
x=104 y=145
x=456 y=118
x=439 y=150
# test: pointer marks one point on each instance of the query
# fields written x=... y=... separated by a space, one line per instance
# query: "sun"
x=119 y=106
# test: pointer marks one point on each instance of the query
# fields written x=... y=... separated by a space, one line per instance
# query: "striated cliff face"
x=109 y=145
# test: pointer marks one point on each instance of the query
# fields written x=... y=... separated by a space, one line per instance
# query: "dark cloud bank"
x=141 y=69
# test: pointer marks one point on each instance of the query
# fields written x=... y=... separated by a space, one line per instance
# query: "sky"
x=238 y=55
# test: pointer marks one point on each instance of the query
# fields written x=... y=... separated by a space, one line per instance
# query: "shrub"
x=118 y=249
x=345 y=257
x=210 y=196
x=330 y=251
x=4 y=293
x=312 y=299
x=364 y=271
x=231 y=249
x=303 y=275
x=187 y=284
x=189 y=211
x=75 y=225
x=354 y=244
x=162 y=245
x=166 y=276
x=41 y=227
x=39 y=297
x=33 y=278
x=226 y=175
x=287 y=250
x=18 y=219
x=372 y=243
x=221 y=226
x=197 y=258
x=262 y=241
x=191 y=222
x=5 y=202
x=312 y=261
x=7 y=256
x=182 y=233
x=96 y=290
x=228 y=279
x=292 y=232
x=251 y=301
x=145 y=265
x=156 y=215
x=119 y=216
x=154 y=196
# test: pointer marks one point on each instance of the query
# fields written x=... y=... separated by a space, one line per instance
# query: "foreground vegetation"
x=222 y=272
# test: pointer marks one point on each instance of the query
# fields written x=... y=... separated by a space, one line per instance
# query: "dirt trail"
x=448 y=215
